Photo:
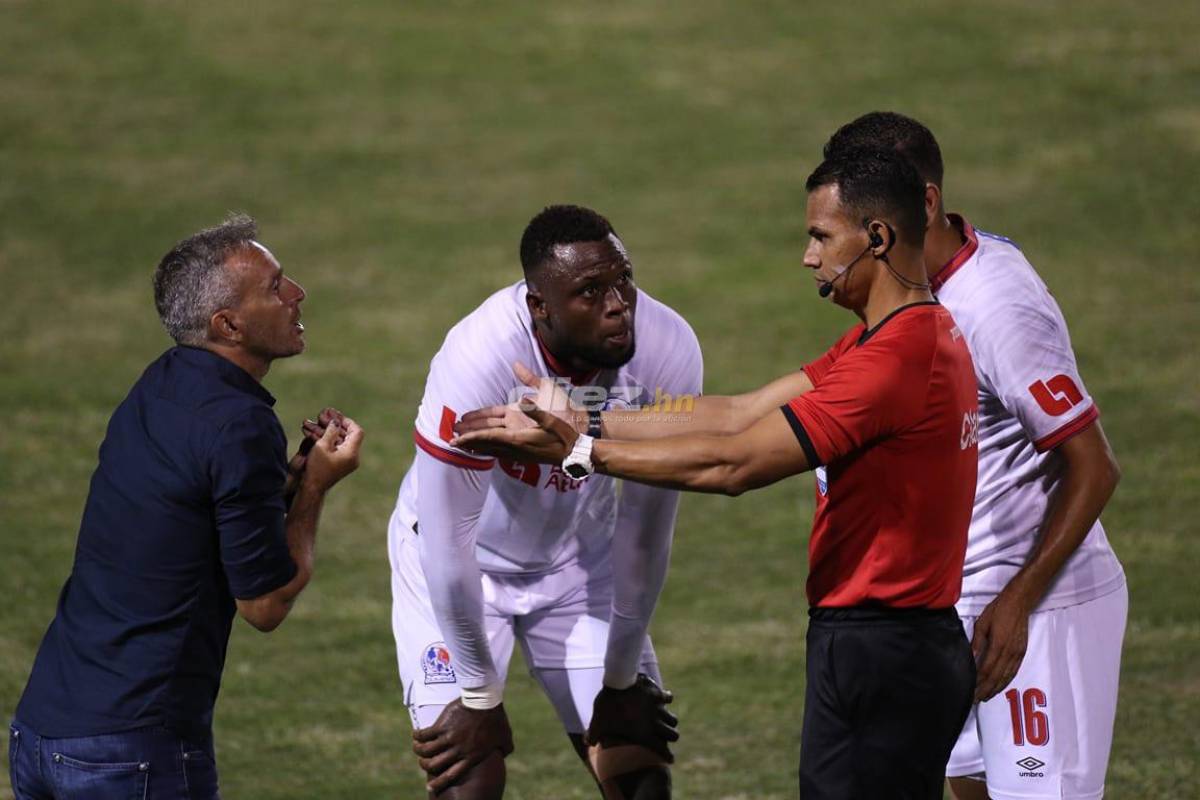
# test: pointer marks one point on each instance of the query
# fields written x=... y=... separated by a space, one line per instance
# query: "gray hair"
x=191 y=282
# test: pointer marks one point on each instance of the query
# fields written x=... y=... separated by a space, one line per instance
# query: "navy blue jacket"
x=185 y=513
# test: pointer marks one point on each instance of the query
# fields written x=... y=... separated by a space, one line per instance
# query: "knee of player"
x=636 y=771
x=484 y=781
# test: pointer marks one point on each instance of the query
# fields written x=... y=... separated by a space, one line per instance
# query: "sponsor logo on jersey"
x=1056 y=396
x=970 y=430
x=531 y=475
x=562 y=481
x=1031 y=767
x=446 y=426
x=527 y=473
x=822 y=480
x=435 y=662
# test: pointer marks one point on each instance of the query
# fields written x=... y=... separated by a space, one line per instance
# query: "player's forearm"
x=455 y=593
x=448 y=504
x=1089 y=478
x=641 y=551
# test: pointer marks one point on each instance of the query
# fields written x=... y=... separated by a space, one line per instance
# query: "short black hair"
x=191 y=284
x=559 y=224
x=876 y=184
x=888 y=130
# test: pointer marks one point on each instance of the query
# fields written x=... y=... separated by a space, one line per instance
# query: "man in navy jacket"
x=194 y=511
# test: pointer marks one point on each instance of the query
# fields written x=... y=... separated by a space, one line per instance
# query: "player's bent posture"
x=885 y=418
x=486 y=554
x=1039 y=571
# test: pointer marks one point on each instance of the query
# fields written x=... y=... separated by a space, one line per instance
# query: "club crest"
x=435 y=662
x=822 y=480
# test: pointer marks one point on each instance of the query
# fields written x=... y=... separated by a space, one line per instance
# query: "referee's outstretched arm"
x=767 y=451
x=762 y=454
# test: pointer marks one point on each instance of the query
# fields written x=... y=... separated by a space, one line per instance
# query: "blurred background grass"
x=393 y=153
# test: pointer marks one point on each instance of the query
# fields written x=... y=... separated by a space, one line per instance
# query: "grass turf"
x=393 y=152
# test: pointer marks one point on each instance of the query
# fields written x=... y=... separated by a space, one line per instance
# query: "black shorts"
x=888 y=693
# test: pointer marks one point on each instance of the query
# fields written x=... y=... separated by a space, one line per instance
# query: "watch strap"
x=578 y=463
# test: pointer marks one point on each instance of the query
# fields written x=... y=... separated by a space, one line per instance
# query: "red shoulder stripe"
x=453 y=459
x=1080 y=423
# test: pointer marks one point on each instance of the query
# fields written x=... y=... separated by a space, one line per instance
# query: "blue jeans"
x=144 y=764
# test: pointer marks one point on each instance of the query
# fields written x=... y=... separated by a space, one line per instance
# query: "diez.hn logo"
x=632 y=398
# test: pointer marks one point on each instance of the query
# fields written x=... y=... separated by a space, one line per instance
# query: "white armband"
x=483 y=697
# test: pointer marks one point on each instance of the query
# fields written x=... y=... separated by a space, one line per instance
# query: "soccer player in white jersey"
x=1044 y=596
x=487 y=554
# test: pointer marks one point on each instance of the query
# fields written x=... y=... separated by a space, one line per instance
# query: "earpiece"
x=875 y=237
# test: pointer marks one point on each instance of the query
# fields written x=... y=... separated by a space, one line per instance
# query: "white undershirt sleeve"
x=449 y=501
x=641 y=552
x=641 y=545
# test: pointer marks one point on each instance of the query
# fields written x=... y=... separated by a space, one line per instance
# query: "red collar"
x=558 y=368
x=960 y=257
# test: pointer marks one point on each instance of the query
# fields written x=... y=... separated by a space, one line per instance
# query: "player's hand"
x=999 y=642
x=549 y=442
x=637 y=715
x=459 y=739
x=335 y=454
x=549 y=395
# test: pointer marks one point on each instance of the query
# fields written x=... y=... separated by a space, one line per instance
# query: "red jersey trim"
x=1077 y=425
x=560 y=369
x=959 y=258
x=453 y=459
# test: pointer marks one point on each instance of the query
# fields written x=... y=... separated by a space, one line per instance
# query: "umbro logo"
x=1031 y=767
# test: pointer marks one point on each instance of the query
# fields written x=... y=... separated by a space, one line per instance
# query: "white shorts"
x=1049 y=732
x=560 y=619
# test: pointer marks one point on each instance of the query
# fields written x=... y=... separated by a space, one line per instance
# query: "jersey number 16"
x=1029 y=725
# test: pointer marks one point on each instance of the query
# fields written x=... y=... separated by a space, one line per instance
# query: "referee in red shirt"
x=887 y=419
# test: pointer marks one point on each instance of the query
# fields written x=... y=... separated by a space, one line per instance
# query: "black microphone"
x=827 y=287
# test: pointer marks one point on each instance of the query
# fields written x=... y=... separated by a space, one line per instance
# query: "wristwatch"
x=593 y=429
x=578 y=463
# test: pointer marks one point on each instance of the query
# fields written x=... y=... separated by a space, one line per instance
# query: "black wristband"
x=593 y=429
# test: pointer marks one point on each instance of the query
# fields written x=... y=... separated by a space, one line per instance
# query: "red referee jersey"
x=892 y=421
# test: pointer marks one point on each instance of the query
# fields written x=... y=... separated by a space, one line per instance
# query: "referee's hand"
x=999 y=641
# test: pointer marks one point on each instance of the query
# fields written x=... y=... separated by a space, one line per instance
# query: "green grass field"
x=393 y=153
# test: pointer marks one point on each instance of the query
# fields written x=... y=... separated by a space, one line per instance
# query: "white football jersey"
x=1031 y=399
x=535 y=517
